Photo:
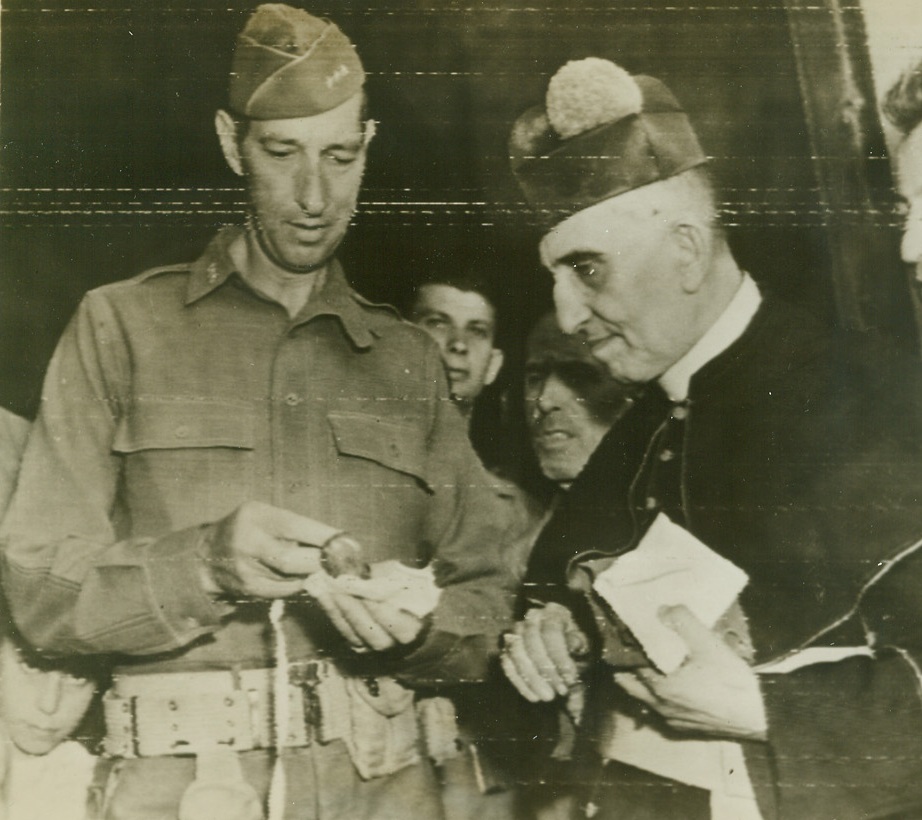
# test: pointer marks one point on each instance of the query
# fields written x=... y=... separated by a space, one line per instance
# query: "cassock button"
x=679 y=412
x=651 y=503
x=666 y=455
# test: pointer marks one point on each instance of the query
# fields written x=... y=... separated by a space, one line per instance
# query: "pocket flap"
x=393 y=444
x=169 y=424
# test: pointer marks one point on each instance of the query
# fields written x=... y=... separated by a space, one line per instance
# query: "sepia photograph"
x=461 y=410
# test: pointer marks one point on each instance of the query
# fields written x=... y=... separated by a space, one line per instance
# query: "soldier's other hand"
x=540 y=655
x=261 y=551
x=369 y=625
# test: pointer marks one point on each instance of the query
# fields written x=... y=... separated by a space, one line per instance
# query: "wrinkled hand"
x=259 y=551
x=713 y=692
x=369 y=625
x=540 y=655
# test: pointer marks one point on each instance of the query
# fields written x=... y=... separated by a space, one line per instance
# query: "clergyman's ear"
x=693 y=246
x=227 y=135
x=369 y=130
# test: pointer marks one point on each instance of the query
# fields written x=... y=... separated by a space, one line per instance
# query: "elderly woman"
x=903 y=108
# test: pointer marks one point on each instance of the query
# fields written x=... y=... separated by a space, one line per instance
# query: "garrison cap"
x=600 y=133
x=288 y=64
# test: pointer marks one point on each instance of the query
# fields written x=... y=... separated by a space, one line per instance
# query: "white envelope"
x=669 y=567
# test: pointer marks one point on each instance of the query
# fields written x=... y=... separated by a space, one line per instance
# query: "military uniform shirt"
x=177 y=395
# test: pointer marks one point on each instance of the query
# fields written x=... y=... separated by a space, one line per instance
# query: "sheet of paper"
x=669 y=567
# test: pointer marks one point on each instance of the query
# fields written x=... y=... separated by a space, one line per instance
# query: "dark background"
x=109 y=164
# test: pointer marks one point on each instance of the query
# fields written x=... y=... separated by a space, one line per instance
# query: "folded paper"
x=669 y=567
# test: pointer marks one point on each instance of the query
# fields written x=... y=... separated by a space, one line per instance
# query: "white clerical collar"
x=729 y=326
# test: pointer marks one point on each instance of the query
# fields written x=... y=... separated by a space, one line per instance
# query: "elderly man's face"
x=569 y=407
x=909 y=178
x=463 y=324
x=616 y=282
x=39 y=707
x=304 y=176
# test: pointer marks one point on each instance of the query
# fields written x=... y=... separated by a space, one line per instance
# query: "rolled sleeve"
x=173 y=566
x=72 y=584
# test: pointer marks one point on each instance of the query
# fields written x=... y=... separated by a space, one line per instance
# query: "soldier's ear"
x=494 y=366
x=227 y=136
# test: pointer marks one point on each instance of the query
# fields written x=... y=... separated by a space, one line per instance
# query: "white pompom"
x=585 y=94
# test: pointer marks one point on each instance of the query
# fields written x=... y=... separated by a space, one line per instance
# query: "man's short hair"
x=902 y=104
x=469 y=280
x=468 y=272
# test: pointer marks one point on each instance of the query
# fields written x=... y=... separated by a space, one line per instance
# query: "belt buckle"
x=309 y=673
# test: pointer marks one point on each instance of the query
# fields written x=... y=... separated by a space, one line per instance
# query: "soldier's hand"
x=369 y=625
x=540 y=655
x=261 y=551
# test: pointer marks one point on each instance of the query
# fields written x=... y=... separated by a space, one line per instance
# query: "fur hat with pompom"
x=601 y=132
x=289 y=64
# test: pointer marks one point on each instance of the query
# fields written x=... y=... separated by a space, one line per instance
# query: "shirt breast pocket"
x=381 y=482
x=184 y=462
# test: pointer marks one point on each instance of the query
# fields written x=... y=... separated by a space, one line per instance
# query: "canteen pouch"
x=382 y=735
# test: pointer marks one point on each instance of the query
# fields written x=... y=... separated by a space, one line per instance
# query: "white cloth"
x=730 y=325
x=406 y=588
x=49 y=787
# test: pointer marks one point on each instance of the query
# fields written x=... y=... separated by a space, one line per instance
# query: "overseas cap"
x=288 y=63
x=600 y=133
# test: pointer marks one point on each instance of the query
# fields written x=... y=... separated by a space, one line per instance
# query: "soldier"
x=208 y=434
x=734 y=575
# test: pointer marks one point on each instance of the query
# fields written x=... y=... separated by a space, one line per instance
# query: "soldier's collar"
x=334 y=298
x=213 y=268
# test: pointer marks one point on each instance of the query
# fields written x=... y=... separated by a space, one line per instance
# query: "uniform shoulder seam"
x=142 y=277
